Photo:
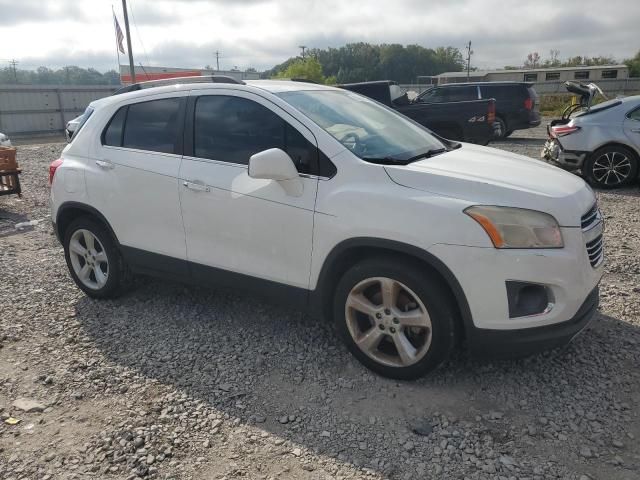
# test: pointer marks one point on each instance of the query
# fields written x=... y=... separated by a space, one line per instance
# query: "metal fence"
x=44 y=109
x=623 y=86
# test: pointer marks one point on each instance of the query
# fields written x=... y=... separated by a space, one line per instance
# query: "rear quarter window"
x=83 y=119
x=503 y=92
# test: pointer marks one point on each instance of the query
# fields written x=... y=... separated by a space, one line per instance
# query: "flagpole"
x=132 y=70
x=117 y=49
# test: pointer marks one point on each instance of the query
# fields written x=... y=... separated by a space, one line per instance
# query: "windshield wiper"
x=389 y=160
x=385 y=160
x=427 y=154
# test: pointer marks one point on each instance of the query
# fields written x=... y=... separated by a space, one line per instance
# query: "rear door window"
x=462 y=94
x=435 y=95
x=232 y=129
x=153 y=125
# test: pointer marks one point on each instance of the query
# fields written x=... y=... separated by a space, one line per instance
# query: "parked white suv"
x=331 y=202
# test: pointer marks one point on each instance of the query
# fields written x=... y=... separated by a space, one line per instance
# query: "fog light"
x=527 y=299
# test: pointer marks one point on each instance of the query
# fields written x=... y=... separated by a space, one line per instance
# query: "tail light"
x=52 y=169
x=562 y=130
x=528 y=103
x=491 y=114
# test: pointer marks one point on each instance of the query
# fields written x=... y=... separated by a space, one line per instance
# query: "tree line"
x=535 y=60
x=354 y=62
x=70 y=75
x=358 y=62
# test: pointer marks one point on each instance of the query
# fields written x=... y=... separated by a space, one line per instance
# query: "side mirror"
x=275 y=164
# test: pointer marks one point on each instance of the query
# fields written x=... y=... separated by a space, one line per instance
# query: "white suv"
x=330 y=202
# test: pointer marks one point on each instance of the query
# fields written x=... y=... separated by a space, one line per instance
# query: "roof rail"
x=182 y=80
x=304 y=80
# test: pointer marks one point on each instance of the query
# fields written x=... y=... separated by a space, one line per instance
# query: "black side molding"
x=63 y=210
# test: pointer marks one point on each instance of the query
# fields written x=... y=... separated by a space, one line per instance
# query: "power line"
x=13 y=63
x=135 y=24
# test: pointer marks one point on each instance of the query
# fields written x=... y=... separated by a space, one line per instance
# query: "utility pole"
x=13 y=64
x=132 y=69
x=469 y=53
x=217 y=60
x=302 y=47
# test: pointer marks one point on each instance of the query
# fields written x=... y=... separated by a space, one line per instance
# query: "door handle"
x=196 y=186
x=635 y=130
x=105 y=164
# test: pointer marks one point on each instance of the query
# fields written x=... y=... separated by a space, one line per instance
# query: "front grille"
x=591 y=223
x=590 y=217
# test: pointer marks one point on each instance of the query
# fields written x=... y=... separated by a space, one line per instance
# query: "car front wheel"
x=395 y=318
x=611 y=167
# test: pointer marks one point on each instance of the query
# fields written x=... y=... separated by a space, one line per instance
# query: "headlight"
x=517 y=227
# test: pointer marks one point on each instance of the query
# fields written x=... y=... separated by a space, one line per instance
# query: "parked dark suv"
x=517 y=105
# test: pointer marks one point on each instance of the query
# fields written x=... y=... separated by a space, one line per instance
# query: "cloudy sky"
x=261 y=33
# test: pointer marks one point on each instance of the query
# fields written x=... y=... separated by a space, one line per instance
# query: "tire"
x=503 y=128
x=106 y=278
x=611 y=167
x=508 y=133
x=430 y=343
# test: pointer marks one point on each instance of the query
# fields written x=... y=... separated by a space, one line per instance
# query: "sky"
x=263 y=33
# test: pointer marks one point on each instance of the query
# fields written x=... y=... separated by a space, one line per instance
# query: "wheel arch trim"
x=333 y=259
x=67 y=206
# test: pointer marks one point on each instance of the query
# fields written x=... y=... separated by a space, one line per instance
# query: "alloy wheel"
x=388 y=322
x=89 y=259
x=611 y=168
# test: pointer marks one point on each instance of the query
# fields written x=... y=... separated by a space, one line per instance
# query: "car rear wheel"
x=93 y=259
x=611 y=167
x=503 y=128
x=394 y=318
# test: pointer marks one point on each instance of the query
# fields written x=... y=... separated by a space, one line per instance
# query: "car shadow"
x=259 y=363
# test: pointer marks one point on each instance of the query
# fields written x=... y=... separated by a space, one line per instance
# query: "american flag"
x=119 y=35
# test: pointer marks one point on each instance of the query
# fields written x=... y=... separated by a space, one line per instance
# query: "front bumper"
x=520 y=343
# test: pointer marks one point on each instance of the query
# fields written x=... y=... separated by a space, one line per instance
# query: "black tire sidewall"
x=503 y=128
x=433 y=295
x=112 y=287
x=588 y=166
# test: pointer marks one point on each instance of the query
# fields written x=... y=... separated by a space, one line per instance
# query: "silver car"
x=602 y=141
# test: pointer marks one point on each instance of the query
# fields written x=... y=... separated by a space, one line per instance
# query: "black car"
x=469 y=121
x=517 y=105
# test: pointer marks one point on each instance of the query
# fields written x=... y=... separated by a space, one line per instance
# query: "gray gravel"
x=175 y=382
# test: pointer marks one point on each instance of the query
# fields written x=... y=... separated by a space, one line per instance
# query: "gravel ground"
x=175 y=382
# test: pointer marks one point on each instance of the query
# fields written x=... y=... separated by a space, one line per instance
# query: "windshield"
x=368 y=129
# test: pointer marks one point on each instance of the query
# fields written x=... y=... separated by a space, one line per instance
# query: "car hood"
x=489 y=176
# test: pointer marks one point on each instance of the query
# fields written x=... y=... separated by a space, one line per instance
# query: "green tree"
x=307 y=68
x=634 y=65
x=357 y=62
x=70 y=75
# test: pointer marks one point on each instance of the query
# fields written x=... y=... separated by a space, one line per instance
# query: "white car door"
x=235 y=223
x=132 y=180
